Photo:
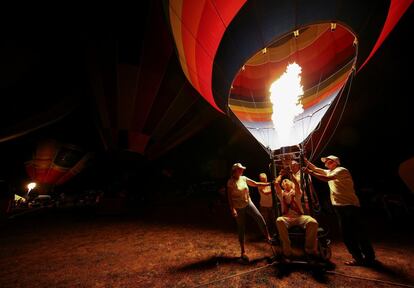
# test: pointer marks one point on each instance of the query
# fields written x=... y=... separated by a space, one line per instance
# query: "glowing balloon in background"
x=54 y=163
x=232 y=52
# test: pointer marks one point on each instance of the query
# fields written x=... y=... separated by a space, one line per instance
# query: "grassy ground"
x=169 y=247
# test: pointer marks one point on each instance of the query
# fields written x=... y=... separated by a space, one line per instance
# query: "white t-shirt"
x=265 y=199
x=342 y=188
x=238 y=191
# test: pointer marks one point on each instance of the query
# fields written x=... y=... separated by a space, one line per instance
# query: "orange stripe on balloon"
x=328 y=91
x=200 y=40
x=175 y=9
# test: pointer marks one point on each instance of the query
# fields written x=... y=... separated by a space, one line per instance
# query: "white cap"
x=331 y=157
x=237 y=165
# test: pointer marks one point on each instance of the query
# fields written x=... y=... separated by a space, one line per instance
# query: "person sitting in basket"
x=289 y=194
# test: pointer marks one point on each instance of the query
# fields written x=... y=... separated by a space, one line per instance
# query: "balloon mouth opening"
x=320 y=59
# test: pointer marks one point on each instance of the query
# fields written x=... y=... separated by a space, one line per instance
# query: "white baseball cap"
x=237 y=165
x=331 y=157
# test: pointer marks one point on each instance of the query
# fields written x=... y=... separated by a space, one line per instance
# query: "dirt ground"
x=171 y=247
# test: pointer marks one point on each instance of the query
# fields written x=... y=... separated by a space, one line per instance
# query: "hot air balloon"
x=145 y=104
x=232 y=52
x=54 y=164
x=280 y=69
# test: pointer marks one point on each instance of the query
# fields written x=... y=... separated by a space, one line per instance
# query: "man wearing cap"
x=241 y=204
x=347 y=207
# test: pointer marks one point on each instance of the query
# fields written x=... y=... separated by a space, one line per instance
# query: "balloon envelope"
x=144 y=102
x=54 y=163
x=231 y=52
x=327 y=58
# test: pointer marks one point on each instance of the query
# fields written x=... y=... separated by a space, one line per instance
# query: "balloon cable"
x=329 y=272
x=342 y=112
x=331 y=116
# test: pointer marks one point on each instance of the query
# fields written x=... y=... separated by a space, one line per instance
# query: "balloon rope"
x=329 y=272
x=310 y=138
x=331 y=116
x=371 y=279
x=235 y=275
x=342 y=112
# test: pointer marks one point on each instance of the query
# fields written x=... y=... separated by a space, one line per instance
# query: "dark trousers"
x=354 y=233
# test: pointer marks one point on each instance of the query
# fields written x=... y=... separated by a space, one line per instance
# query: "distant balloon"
x=54 y=163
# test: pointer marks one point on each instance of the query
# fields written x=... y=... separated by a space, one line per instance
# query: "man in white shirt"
x=347 y=207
